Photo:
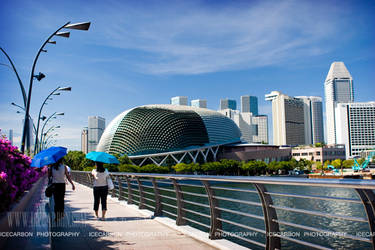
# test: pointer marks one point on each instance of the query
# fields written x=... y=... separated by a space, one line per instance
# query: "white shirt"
x=58 y=176
x=100 y=179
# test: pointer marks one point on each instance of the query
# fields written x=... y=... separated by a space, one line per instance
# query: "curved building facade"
x=158 y=129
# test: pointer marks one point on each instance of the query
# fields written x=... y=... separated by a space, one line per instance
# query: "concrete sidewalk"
x=124 y=227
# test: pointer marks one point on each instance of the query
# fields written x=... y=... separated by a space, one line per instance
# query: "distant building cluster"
x=253 y=127
x=299 y=120
x=179 y=132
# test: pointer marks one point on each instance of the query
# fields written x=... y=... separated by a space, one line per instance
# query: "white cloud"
x=191 y=39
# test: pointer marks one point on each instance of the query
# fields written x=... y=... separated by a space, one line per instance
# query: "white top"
x=100 y=179
x=58 y=176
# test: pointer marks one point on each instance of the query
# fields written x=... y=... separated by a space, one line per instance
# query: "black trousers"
x=58 y=197
x=100 y=196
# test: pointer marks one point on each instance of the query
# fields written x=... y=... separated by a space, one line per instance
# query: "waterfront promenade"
x=124 y=227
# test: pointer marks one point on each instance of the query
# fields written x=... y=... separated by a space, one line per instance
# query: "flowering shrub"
x=16 y=175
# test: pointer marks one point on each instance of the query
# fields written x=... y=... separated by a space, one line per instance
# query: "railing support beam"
x=158 y=205
x=120 y=192
x=180 y=204
x=141 y=194
x=270 y=216
x=368 y=199
x=216 y=225
x=130 y=192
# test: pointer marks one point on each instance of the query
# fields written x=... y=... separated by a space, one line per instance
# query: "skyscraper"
x=249 y=104
x=288 y=119
x=228 y=104
x=179 y=100
x=200 y=103
x=313 y=119
x=356 y=128
x=84 y=140
x=95 y=131
x=10 y=137
x=338 y=88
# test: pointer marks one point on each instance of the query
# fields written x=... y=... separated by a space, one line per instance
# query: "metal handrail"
x=273 y=234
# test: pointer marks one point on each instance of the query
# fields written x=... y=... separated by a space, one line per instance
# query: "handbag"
x=50 y=189
x=110 y=183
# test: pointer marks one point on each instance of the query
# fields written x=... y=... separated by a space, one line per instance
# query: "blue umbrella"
x=102 y=157
x=48 y=156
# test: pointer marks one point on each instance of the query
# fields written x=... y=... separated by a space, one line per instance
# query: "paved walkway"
x=124 y=227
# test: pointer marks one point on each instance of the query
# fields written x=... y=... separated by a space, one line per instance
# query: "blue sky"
x=145 y=52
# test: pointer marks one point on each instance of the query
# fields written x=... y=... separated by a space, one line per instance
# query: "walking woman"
x=58 y=172
x=100 y=175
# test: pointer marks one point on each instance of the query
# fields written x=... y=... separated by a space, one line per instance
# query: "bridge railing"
x=211 y=204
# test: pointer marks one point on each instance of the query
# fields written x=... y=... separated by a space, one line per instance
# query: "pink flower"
x=3 y=175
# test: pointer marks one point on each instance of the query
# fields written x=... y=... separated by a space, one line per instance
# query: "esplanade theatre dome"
x=153 y=129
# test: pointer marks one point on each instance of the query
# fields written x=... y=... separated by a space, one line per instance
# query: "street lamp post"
x=43 y=135
x=47 y=140
x=18 y=77
x=54 y=92
x=45 y=123
x=78 y=26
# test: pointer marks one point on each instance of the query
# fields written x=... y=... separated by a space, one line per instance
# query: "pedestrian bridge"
x=154 y=211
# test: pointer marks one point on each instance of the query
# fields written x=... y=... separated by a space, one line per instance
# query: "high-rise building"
x=228 y=104
x=261 y=129
x=356 y=128
x=199 y=103
x=179 y=100
x=254 y=129
x=338 y=88
x=10 y=137
x=288 y=119
x=313 y=119
x=84 y=140
x=95 y=130
x=249 y=104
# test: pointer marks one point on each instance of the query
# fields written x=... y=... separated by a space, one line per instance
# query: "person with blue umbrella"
x=101 y=179
x=57 y=172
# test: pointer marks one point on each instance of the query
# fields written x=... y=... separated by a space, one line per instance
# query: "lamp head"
x=66 y=89
x=78 y=26
x=63 y=34
x=40 y=76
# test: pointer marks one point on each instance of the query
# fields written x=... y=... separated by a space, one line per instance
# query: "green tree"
x=129 y=168
x=230 y=167
x=153 y=168
x=187 y=168
x=348 y=163
x=273 y=167
x=338 y=164
x=74 y=159
x=212 y=167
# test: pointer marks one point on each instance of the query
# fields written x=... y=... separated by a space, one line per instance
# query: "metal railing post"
x=180 y=204
x=90 y=181
x=215 y=224
x=158 y=205
x=130 y=192
x=270 y=216
x=119 y=182
x=368 y=199
x=141 y=194
x=113 y=192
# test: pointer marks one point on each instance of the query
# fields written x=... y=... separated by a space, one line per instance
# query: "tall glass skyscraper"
x=228 y=104
x=95 y=131
x=249 y=104
x=313 y=109
x=338 y=88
